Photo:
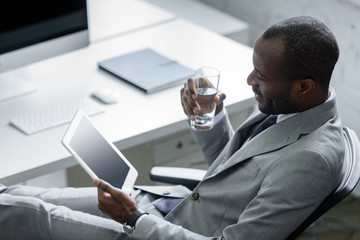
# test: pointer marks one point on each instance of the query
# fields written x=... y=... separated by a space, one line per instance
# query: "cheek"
x=274 y=97
x=267 y=91
x=275 y=89
x=284 y=103
x=294 y=91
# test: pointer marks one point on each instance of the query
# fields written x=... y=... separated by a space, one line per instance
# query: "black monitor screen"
x=27 y=22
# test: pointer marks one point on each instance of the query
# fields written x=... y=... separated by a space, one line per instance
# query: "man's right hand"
x=188 y=99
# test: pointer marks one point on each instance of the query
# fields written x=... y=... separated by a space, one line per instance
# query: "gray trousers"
x=69 y=213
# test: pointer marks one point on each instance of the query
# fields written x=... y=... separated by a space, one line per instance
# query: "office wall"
x=341 y=16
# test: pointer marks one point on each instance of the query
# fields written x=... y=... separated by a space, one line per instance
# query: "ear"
x=307 y=86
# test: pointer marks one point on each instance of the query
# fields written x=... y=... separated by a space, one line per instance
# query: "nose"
x=251 y=79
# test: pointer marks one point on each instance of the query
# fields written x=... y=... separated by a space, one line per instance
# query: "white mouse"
x=107 y=95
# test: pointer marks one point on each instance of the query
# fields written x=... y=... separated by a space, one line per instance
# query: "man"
x=256 y=187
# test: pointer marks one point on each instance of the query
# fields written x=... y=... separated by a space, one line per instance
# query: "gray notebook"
x=147 y=70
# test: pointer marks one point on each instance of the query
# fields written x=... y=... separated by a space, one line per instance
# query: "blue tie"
x=167 y=204
x=268 y=122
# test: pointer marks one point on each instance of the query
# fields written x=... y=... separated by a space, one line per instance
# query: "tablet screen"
x=91 y=146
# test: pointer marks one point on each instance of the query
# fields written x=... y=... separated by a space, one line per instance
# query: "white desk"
x=138 y=117
x=109 y=18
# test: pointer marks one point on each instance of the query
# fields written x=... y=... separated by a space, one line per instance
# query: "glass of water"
x=207 y=83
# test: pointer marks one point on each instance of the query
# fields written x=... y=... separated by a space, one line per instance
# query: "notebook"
x=147 y=70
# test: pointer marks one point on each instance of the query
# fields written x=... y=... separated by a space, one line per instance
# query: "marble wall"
x=341 y=16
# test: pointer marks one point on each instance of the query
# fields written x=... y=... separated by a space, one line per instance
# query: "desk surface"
x=137 y=117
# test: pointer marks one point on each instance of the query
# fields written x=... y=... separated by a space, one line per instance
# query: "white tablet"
x=99 y=157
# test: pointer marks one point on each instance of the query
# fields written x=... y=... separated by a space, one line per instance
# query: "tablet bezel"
x=69 y=134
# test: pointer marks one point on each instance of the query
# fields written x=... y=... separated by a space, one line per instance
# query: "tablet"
x=99 y=157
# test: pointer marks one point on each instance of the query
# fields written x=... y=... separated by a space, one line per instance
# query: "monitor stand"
x=13 y=87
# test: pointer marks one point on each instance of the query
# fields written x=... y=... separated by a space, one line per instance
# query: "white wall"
x=341 y=16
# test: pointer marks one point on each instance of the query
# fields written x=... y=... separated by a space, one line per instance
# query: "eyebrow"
x=261 y=75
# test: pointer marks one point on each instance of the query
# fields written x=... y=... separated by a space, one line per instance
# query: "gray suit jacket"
x=260 y=189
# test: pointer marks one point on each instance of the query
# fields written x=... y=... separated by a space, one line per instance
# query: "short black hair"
x=311 y=50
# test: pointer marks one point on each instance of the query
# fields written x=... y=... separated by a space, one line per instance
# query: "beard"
x=277 y=104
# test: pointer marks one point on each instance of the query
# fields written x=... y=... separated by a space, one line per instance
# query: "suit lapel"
x=273 y=138
x=236 y=141
x=243 y=132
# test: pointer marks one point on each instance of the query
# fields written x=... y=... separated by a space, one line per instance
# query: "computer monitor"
x=33 y=30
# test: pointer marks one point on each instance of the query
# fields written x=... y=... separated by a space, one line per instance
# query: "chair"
x=188 y=177
x=351 y=178
x=191 y=177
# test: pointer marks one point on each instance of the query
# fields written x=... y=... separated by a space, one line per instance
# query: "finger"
x=219 y=97
x=102 y=196
x=188 y=96
x=182 y=96
x=183 y=100
x=190 y=107
x=189 y=113
x=191 y=95
x=101 y=208
x=96 y=181
x=191 y=86
x=204 y=82
x=190 y=99
x=104 y=186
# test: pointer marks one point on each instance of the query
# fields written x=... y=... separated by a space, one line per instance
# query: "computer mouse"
x=107 y=95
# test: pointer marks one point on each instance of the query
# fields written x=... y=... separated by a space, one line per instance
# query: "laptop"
x=147 y=69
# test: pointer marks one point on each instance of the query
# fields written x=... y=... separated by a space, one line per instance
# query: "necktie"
x=268 y=122
x=167 y=204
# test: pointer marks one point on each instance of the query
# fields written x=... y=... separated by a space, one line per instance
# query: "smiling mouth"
x=258 y=96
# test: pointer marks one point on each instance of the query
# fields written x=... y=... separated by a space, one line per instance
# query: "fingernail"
x=96 y=182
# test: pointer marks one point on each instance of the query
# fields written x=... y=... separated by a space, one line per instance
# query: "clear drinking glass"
x=207 y=83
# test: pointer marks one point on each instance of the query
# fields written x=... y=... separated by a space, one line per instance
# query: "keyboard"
x=55 y=115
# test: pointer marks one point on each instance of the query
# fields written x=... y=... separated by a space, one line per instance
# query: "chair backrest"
x=351 y=178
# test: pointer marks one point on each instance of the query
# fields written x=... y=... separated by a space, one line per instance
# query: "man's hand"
x=115 y=203
x=188 y=99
